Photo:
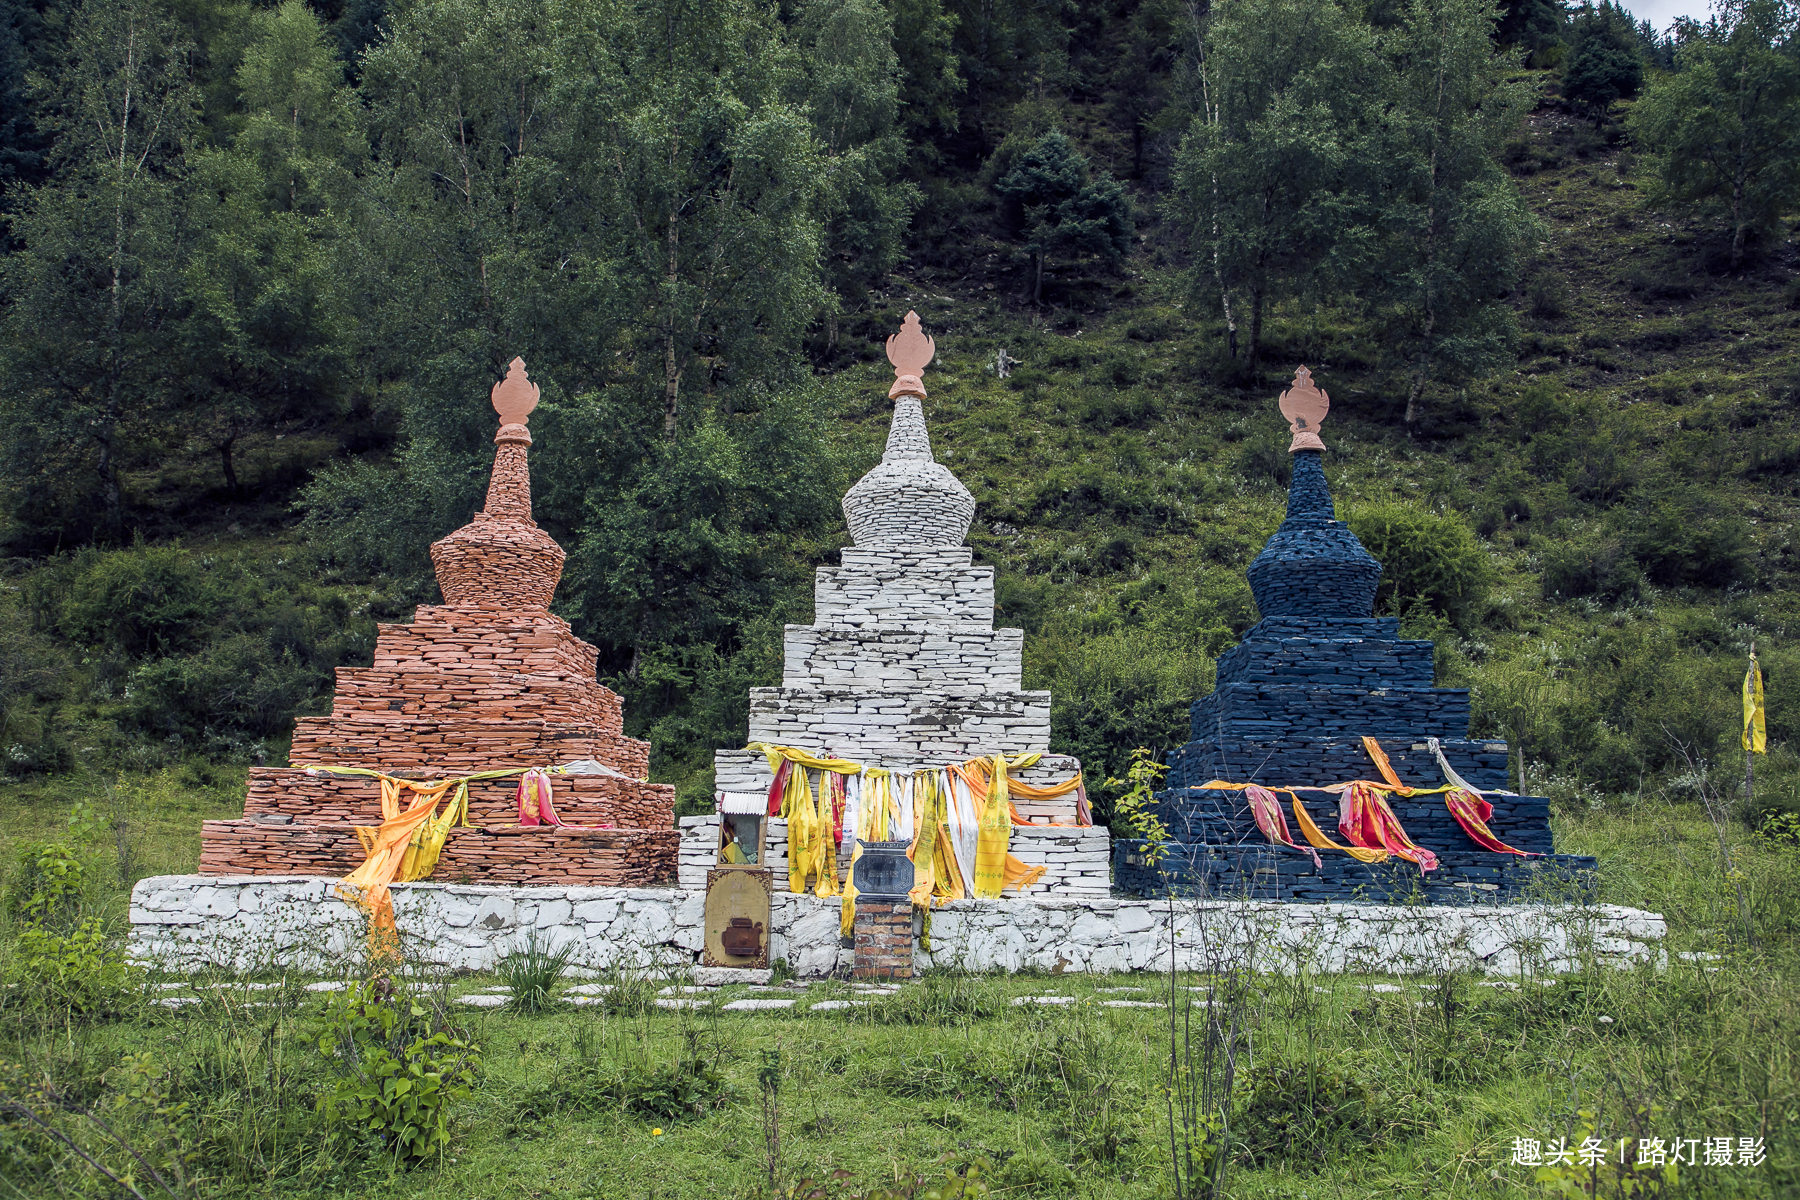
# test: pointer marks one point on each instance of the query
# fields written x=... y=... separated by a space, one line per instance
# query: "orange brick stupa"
x=488 y=681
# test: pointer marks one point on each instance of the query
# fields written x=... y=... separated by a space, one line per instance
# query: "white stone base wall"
x=1104 y=936
x=254 y=922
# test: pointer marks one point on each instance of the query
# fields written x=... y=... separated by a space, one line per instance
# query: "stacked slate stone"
x=1290 y=708
x=492 y=680
x=903 y=668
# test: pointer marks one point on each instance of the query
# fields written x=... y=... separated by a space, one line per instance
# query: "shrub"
x=82 y=971
x=146 y=600
x=398 y=1067
x=1688 y=537
x=1424 y=556
x=1595 y=566
x=47 y=887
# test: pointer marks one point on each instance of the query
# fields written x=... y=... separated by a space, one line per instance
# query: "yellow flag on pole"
x=1756 y=737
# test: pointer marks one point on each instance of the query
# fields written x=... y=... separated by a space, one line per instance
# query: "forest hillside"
x=264 y=262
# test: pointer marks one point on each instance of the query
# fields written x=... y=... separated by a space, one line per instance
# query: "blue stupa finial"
x=1313 y=566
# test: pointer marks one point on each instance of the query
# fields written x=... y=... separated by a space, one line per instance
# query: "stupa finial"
x=909 y=498
x=1304 y=406
x=910 y=351
x=502 y=557
x=514 y=399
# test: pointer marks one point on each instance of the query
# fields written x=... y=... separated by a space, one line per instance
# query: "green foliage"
x=1608 y=1177
x=1266 y=176
x=1131 y=808
x=532 y=972
x=1308 y=1113
x=81 y=971
x=46 y=888
x=1109 y=687
x=1426 y=557
x=1719 y=129
x=1454 y=229
x=397 y=1069
x=1062 y=209
x=690 y=1085
x=1601 y=74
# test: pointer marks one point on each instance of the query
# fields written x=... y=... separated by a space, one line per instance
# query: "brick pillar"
x=883 y=932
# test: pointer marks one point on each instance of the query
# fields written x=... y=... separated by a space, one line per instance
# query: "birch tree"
x=1454 y=227
x=96 y=289
x=1723 y=131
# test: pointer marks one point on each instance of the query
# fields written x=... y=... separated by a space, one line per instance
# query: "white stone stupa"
x=902 y=667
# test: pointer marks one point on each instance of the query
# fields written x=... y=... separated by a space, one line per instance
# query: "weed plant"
x=532 y=971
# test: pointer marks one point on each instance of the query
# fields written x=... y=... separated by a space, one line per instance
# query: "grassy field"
x=1345 y=1085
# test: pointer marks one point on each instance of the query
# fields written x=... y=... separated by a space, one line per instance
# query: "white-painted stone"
x=757 y=1004
x=658 y=929
x=483 y=1001
x=836 y=1005
x=725 y=976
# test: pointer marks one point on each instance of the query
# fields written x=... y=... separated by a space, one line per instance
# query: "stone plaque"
x=884 y=869
x=737 y=917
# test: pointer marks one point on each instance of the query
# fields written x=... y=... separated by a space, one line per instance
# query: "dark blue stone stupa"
x=1290 y=708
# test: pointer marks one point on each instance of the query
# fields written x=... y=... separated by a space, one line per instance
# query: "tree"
x=851 y=87
x=1723 y=131
x=1533 y=27
x=94 y=293
x=267 y=321
x=1063 y=210
x=634 y=197
x=1601 y=73
x=1269 y=177
x=1453 y=225
x=1606 y=66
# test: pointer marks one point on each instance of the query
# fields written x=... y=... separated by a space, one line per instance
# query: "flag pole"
x=1750 y=756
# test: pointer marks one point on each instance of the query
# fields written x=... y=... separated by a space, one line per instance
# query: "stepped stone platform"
x=490 y=681
x=902 y=667
x=1290 y=708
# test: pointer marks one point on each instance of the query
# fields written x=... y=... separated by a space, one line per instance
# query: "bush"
x=242 y=682
x=1424 y=556
x=146 y=600
x=47 y=886
x=1596 y=566
x=82 y=971
x=398 y=1067
x=1688 y=537
x=1299 y=1114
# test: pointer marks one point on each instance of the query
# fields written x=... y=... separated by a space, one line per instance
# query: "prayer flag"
x=1756 y=736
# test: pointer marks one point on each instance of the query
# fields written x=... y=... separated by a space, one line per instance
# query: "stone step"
x=906 y=660
x=903 y=587
x=902 y=726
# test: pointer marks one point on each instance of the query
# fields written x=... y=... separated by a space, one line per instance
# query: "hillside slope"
x=1631 y=483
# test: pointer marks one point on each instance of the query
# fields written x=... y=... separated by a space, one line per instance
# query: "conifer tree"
x=1064 y=210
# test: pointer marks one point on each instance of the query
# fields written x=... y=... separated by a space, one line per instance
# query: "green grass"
x=1352 y=1088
